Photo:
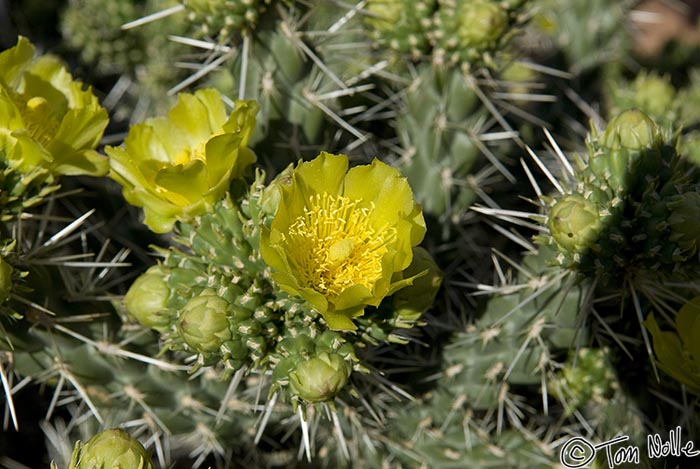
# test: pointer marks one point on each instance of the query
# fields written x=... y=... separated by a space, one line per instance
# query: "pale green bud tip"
x=574 y=223
x=384 y=14
x=321 y=378
x=203 y=6
x=631 y=129
x=111 y=449
x=203 y=323
x=5 y=280
x=481 y=23
x=413 y=300
x=147 y=298
x=655 y=94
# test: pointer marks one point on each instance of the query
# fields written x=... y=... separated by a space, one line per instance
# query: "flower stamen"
x=333 y=245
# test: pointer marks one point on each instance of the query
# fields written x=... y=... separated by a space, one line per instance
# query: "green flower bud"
x=5 y=280
x=586 y=377
x=482 y=23
x=400 y=25
x=321 y=378
x=203 y=322
x=110 y=449
x=147 y=298
x=413 y=300
x=224 y=17
x=384 y=14
x=685 y=221
x=574 y=223
x=271 y=195
x=654 y=94
x=632 y=130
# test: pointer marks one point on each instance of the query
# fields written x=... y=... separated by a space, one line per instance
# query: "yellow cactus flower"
x=339 y=237
x=678 y=353
x=47 y=120
x=178 y=167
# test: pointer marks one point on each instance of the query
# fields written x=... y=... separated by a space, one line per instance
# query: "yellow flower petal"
x=324 y=173
x=14 y=61
x=671 y=357
x=688 y=324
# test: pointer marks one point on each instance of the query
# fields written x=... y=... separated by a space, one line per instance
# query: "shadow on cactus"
x=628 y=223
x=631 y=210
x=620 y=222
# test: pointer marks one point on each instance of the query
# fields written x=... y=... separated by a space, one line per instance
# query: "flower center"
x=38 y=119
x=332 y=245
x=197 y=152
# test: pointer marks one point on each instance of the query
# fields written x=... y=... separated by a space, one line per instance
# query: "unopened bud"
x=574 y=223
x=481 y=23
x=203 y=322
x=110 y=449
x=632 y=130
x=147 y=298
x=320 y=378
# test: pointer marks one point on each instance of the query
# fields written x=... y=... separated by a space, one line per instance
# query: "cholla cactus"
x=214 y=296
x=588 y=33
x=466 y=33
x=586 y=379
x=281 y=319
x=507 y=394
x=617 y=218
x=608 y=226
x=217 y=296
x=438 y=141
